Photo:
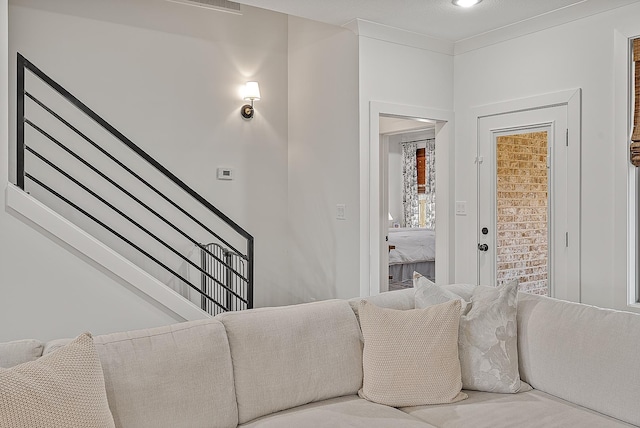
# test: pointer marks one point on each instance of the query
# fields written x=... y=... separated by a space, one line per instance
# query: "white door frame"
x=373 y=214
x=487 y=196
x=573 y=100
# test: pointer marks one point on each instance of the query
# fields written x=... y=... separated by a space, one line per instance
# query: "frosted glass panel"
x=522 y=211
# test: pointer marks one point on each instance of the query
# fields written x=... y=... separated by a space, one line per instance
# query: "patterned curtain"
x=430 y=184
x=410 y=185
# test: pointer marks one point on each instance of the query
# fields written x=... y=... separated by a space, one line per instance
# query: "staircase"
x=82 y=180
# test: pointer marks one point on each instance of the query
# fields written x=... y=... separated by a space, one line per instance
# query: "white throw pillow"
x=488 y=342
x=410 y=357
x=64 y=389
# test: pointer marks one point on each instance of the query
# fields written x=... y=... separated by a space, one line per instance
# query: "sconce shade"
x=390 y=218
x=251 y=91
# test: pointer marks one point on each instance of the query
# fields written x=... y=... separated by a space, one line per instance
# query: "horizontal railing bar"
x=126 y=192
x=235 y=253
x=93 y=218
x=126 y=217
x=126 y=168
x=104 y=124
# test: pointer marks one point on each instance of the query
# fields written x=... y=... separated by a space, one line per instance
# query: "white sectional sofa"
x=301 y=366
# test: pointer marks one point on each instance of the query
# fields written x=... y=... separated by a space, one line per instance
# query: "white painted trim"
x=386 y=33
x=555 y=18
x=574 y=196
x=522 y=104
x=24 y=206
x=370 y=208
x=542 y=22
x=573 y=99
x=625 y=188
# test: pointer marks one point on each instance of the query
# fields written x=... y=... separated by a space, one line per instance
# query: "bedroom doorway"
x=409 y=149
x=374 y=197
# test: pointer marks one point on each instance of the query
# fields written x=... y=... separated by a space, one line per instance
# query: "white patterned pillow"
x=488 y=342
x=64 y=389
x=428 y=371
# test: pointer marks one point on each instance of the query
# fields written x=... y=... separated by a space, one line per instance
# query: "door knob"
x=483 y=247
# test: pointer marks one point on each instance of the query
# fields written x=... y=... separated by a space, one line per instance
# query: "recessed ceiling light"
x=465 y=3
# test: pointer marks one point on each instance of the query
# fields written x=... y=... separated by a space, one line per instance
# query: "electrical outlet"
x=341 y=212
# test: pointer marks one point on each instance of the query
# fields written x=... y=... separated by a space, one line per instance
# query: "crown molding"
x=542 y=22
x=390 y=34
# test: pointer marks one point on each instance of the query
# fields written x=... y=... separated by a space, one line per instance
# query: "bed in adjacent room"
x=411 y=249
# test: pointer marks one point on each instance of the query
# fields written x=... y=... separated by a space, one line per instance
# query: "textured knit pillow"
x=410 y=358
x=63 y=389
x=488 y=342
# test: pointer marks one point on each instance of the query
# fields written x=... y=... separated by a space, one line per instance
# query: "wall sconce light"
x=251 y=93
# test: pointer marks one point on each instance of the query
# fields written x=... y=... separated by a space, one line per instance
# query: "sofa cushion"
x=64 y=389
x=293 y=355
x=348 y=411
x=411 y=357
x=52 y=345
x=582 y=354
x=399 y=299
x=173 y=376
x=19 y=351
x=532 y=409
x=488 y=335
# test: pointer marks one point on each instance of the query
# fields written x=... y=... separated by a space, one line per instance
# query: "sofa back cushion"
x=582 y=354
x=173 y=376
x=19 y=351
x=399 y=299
x=293 y=355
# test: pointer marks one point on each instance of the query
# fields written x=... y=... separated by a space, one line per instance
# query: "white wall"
x=323 y=161
x=575 y=55
x=46 y=292
x=169 y=77
x=396 y=74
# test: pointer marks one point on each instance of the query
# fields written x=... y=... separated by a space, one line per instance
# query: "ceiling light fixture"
x=465 y=3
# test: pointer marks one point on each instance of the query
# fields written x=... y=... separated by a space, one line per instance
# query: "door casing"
x=572 y=100
x=373 y=214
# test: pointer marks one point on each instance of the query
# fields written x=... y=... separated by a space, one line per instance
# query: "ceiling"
x=440 y=19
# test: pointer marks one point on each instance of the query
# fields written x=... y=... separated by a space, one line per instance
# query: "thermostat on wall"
x=225 y=174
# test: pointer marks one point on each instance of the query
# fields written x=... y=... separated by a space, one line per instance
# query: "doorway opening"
x=410 y=148
x=374 y=199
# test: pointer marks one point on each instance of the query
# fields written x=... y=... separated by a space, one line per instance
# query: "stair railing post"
x=229 y=280
x=250 y=273
x=20 y=124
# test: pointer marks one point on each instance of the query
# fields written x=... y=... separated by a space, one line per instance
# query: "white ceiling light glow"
x=466 y=3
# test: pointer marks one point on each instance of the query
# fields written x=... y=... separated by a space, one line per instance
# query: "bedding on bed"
x=412 y=245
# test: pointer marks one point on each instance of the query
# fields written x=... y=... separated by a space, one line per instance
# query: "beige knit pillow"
x=410 y=358
x=64 y=389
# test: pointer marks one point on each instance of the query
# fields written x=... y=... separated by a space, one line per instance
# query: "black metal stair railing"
x=124 y=202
